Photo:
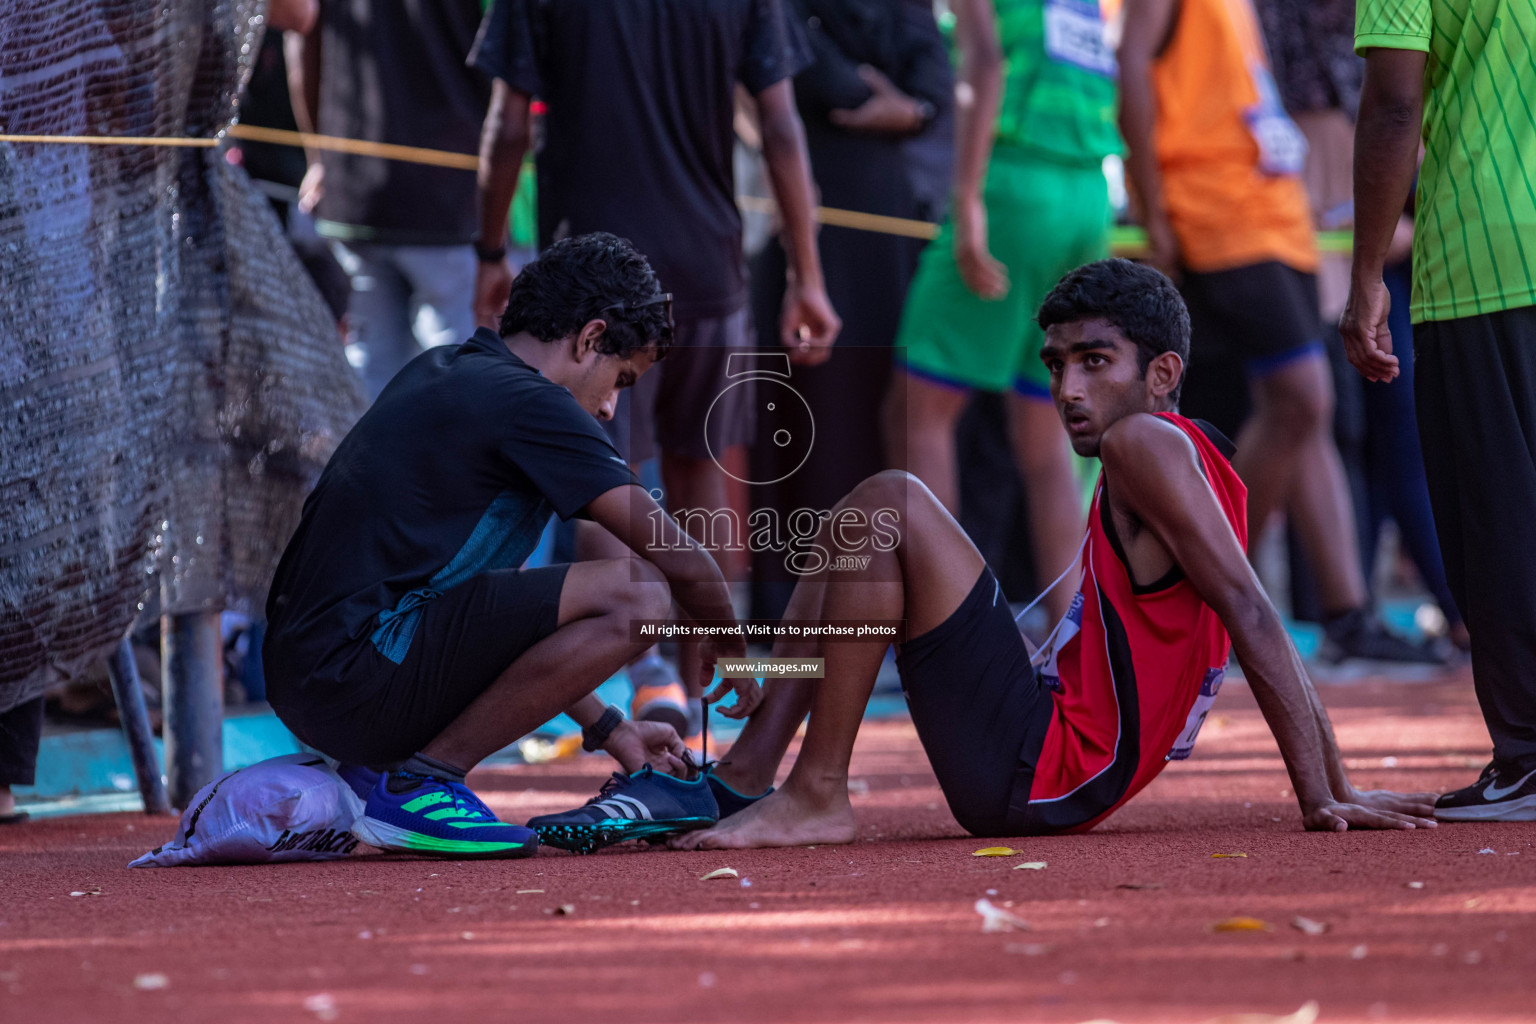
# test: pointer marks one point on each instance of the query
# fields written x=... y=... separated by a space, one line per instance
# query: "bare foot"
x=781 y=818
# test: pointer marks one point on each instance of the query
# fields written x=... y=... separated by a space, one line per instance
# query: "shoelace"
x=464 y=799
x=614 y=783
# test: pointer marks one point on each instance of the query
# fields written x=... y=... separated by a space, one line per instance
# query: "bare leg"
x=927 y=576
x=591 y=642
x=925 y=415
x=1056 y=525
x=753 y=760
x=1286 y=457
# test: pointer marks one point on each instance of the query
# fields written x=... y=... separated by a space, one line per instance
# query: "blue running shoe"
x=730 y=800
x=645 y=805
x=438 y=817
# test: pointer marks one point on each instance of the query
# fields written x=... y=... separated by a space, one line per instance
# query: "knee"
x=1299 y=409
x=641 y=592
x=889 y=488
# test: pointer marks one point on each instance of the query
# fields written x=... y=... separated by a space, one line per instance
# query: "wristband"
x=490 y=255
x=595 y=735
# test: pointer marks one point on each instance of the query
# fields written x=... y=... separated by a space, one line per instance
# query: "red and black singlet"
x=1133 y=670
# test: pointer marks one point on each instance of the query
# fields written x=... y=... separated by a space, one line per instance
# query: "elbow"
x=780 y=131
x=1251 y=620
x=1400 y=112
x=504 y=140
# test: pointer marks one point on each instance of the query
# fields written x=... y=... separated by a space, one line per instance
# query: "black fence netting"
x=170 y=380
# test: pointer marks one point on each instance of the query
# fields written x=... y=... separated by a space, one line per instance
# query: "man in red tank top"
x=1030 y=743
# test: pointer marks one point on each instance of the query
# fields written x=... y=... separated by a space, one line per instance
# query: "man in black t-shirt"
x=637 y=139
x=401 y=633
x=392 y=71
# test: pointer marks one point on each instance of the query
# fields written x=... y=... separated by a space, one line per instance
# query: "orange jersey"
x=1230 y=158
x=1132 y=670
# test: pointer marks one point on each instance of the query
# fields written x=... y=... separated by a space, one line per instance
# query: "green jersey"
x=1474 y=247
x=1059 y=80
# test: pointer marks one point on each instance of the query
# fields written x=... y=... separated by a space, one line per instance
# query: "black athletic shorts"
x=697 y=402
x=980 y=710
x=1264 y=314
x=466 y=638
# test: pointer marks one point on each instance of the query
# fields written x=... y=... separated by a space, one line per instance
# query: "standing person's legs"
x=379 y=336
x=1476 y=403
x=1285 y=451
x=442 y=280
x=921 y=413
x=952 y=342
x=1080 y=227
x=21 y=730
x=1395 y=461
x=705 y=413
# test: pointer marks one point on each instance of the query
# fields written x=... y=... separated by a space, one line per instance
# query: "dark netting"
x=170 y=380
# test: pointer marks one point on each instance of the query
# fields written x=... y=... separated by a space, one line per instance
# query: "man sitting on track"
x=1056 y=743
x=401 y=633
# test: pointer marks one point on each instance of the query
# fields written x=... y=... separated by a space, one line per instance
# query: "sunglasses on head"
x=664 y=300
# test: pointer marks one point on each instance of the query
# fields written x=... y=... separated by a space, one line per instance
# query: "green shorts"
x=1043 y=220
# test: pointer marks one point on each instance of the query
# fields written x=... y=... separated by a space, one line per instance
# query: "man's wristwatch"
x=595 y=735
x=488 y=254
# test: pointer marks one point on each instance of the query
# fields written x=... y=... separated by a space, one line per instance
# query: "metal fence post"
x=192 y=668
x=124 y=673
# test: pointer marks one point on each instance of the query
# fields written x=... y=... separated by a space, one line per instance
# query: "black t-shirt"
x=454 y=471
x=638 y=131
x=393 y=71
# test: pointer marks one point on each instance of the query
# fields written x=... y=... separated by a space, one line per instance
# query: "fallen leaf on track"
x=1415 y=885
x=996 y=919
x=1311 y=927
x=151 y=982
x=1030 y=865
x=719 y=873
x=1240 y=924
x=521 y=892
x=995 y=851
x=1229 y=855
x=563 y=910
x=1306 y=1015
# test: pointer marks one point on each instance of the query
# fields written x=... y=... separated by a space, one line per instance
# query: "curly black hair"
x=597 y=276
x=1137 y=299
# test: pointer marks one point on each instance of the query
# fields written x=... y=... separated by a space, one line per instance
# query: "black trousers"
x=1475 y=385
x=21 y=729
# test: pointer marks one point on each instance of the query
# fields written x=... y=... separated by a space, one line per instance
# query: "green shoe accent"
x=391 y=837
x=427 y=801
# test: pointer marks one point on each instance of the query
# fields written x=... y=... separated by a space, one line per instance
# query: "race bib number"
x=1282 y=147
x=1209 y=687
x=1075 y=33
x=1045 y=658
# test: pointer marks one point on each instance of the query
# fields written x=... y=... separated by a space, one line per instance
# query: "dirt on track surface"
x=1422 y=926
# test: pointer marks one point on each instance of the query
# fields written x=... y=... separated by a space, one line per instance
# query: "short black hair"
x=1137 y=299
x=591 y=277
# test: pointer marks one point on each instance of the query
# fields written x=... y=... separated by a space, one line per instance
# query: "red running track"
x=881 y=931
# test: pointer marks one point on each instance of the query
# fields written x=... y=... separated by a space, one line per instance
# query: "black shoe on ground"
x=1502 y=793
x=1360 y=635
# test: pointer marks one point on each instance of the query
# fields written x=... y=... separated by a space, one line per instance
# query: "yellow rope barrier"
x=1124 y=241
x=115 y=140
x=384 y=150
